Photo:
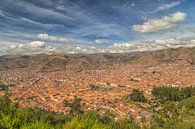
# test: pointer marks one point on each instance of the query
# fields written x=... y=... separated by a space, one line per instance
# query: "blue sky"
x=89 y=26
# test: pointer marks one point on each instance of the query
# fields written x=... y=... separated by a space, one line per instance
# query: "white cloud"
x=78 y=50
x=98 y=41
x=52 y=38
x=166 y=22
x=37 y=44
x=20 y=46
x=13 y=46
x=167 y=6
x=34 y=47
x=37 y=47
x=46 y=37
x=61 y=7
x=151 y=45
x=133 y=4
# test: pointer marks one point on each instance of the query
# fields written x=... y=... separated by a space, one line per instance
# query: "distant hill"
x=44 y=62
x=167 y=56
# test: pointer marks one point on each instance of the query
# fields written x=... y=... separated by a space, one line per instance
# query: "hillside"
x=44 y=62
x=125 y=85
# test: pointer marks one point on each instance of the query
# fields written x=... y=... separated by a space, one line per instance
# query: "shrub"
x=14 y=117
x=137 y=96
x=75 y=106
x=37 y=125
x=3 y=87
x=85 y=123
x=173 y=93
x=98 y=88
x=175 y=115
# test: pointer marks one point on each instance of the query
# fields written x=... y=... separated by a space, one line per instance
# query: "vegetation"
x=75 y=106
x=178 y=108
x=137 y=96
x=14 y=117
x=176 y=115
x=121 y=85
x=3 y=87
x=173 y=93
x=173 y=114
x=98 y=88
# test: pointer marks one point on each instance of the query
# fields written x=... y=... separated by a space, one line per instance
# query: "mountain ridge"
x=45 y=62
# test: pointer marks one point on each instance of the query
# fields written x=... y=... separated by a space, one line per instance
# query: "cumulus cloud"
x=151 y=45
x=37 y=44
x=168 y=6
x=37 y=47
x=34 y=47
x=81 y=50
x=47 y=37
x=98 y=41
x=13 y=46
x=166 y=22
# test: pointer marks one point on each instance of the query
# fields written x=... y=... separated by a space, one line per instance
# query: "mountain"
x=44 y=62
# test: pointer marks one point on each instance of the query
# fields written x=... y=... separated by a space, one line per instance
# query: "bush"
x=3 y=87
x=173 y=93
x=14 y=117
x=187 y=106
x=37 y=125
x=102 y=89
x=85 y=123
x=138 y=96
x=75 y=106
x=176 y=115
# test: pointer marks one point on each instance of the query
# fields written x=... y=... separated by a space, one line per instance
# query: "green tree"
x=138 y=96
x=75 y=106
x=3 y=87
